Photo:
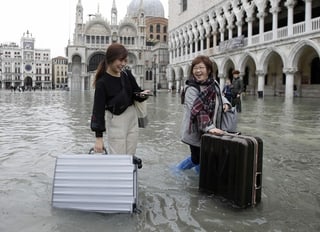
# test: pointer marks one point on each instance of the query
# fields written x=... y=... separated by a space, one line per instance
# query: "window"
x=184 y=5
x=165 y=29
x=158 y=28
x=151 y=28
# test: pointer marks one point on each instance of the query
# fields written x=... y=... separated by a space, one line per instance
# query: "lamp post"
x=154 y=66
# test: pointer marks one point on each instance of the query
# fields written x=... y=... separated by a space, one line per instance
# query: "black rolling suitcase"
x=231 y=167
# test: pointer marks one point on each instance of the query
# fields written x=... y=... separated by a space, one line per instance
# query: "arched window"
x=165 y=29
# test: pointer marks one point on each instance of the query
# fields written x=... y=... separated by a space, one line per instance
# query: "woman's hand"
x=216 y=131
x=226 y=107
x=99 y=146
x=146 y=92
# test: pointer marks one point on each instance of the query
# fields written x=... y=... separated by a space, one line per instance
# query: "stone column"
x=169 y=77
x=289 y=82
x=222 y=30
x=222 y=78
x=214 y=40
x=249 y=21
x=261 y=26
x=239 y=27
x=83 y=78
x=208 y=41
x=260 y=75
x=201 y=43
x=230 y=32
x=274 y=12
x=308 y=15
x=290 y=4
x=222 y=23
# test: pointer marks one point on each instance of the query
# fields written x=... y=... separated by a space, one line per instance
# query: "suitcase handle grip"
x=91 y=151
x=137 y=161
x=258 y=180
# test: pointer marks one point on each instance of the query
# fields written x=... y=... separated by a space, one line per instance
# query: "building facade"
x=274 y=43
x=60 y=73
x=148 y=50
x=24 y=67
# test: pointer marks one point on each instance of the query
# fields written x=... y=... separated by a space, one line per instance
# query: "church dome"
x=152 y=8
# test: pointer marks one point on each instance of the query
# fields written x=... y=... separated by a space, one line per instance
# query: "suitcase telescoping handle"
x=91 y=151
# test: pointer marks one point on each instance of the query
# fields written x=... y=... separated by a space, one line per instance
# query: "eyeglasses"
x=198 y=68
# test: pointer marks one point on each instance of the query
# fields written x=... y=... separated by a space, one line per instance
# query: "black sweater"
x=114 y=94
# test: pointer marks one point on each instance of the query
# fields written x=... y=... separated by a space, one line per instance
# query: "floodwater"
x=36 y=127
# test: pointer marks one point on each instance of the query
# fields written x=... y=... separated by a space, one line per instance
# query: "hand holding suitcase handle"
x=91 y=151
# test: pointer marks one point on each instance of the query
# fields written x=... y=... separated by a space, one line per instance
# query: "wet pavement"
x=38 y=126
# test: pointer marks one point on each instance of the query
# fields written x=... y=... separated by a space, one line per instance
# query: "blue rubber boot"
x=197 y=168
x=185 y=164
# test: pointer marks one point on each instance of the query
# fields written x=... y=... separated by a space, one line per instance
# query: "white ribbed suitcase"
x=98 y=183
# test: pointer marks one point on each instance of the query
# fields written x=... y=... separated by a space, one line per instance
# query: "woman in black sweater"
x=113 y=108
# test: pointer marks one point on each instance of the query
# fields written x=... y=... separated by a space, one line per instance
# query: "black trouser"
x=237 y=103
x=195 y=154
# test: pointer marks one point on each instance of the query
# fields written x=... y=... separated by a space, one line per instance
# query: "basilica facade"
x=274 y=43
x=143 y=32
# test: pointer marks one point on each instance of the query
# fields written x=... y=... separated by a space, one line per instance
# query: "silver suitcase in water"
x=98 y=183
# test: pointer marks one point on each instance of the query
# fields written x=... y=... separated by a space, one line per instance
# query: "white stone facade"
x=274 y=43
x=60 y=73
x=24 y=67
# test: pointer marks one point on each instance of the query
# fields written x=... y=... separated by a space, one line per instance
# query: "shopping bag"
x=141 y=108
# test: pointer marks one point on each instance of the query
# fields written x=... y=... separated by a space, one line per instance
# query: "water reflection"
x=38 y=126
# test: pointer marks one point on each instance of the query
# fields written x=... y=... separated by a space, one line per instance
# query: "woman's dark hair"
x=114 y=52
x=207 y=62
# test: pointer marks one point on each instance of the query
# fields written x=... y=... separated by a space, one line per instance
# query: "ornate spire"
x=114 y=13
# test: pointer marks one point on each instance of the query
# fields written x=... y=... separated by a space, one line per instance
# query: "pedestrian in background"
x=237 y=89
x=227 y=90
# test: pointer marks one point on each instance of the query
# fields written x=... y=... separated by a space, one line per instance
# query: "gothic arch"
x=172 y=74
x=97 y=27
x=248 y=67
x=305 y=59
x=227 y=64
x=244 y=60
x=298 y=50
x=264 y=61
x=94 y=60
x=75 y=57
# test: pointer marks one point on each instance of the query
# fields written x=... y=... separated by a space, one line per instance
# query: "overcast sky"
x=51 y=22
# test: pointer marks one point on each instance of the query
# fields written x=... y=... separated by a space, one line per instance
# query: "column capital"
x=239 y=23
x=274 y=10
x=261 y=15
x=259 y=73
x=249 y=19
x=290 y=70
x=290 y=3
x=230 y=27
x=221 y=75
